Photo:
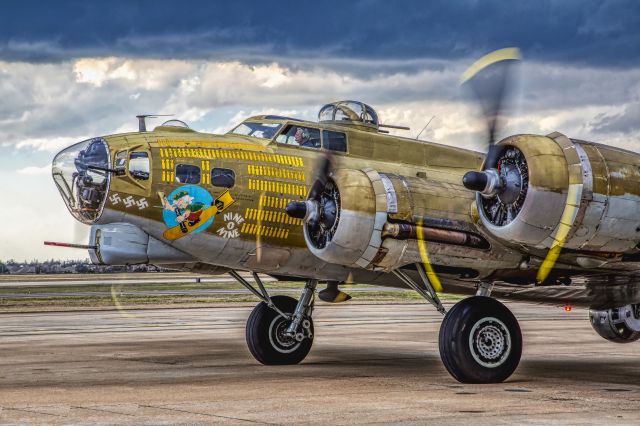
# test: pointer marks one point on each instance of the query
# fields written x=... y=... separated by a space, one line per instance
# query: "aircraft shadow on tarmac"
x=211 y=360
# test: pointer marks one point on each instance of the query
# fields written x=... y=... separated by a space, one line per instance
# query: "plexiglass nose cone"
x=81 y=174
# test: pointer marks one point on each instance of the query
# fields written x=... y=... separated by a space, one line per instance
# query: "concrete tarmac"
x=124 y=279
x=38 y=293
x=371 y=363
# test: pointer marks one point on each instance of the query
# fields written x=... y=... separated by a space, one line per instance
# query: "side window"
x=224 y=178
x=186 y=173
x=120 y=162
x=139 y=165
x=300 y=136
x=335 y=141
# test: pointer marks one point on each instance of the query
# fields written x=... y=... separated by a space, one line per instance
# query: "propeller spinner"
x=503 y=180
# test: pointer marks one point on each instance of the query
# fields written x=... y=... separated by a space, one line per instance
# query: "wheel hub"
x=490 y=342
x=280 y=340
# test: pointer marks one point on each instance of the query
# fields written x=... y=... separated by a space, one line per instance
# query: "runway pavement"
x=294 y=292
x=131 y=285
x=370 y=363
x=125 y=279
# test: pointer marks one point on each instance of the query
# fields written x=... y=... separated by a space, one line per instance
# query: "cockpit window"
x=300 y=136
x=186 y=173
x=257 y=130
x=139 y=165
x=335 y=141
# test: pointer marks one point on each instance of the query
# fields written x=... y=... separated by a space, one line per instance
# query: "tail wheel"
x=266 y=337
x=480 y=341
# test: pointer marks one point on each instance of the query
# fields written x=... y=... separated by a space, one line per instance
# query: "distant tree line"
x=70 y=267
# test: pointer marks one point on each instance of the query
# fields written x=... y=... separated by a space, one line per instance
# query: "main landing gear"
x=480 y=340
x=279 y=329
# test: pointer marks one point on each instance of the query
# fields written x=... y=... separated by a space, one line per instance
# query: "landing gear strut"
x=480 y=339
x=280 y=329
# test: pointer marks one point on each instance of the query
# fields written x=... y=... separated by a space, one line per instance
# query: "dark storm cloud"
x=626 y=121
x=590 y=32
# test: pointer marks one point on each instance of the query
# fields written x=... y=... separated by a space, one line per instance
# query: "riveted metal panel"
x=549 y=172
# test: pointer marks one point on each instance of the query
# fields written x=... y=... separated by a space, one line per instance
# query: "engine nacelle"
x=620 y=325
x=594 y=190
x=359 y=211
x=353 y=237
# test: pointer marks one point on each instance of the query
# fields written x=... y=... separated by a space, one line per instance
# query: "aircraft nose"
x=82 y=174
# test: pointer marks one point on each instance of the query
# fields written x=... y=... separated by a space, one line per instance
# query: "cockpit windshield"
x=257 y=130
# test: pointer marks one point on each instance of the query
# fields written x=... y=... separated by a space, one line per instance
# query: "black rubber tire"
x=622 y=334
x=262 y=341
x=457 y=350
x=613 y=332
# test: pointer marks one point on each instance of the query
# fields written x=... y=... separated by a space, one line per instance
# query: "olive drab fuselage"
x=217 y=202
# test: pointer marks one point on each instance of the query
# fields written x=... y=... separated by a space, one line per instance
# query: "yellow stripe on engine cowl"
x=574 y=194
x=424 y=255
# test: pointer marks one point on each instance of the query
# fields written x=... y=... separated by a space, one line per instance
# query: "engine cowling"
x=358 y=212
x=551 y=180
x=352 y=234
x=620 y=325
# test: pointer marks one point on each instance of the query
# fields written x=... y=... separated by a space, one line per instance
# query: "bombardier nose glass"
x=81 y=173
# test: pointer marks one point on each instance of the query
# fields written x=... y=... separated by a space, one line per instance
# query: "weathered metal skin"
x=356 y=228
x=429 y=197
x=395 y=179
x=370 y=200
x=123 y=243
x=603 y=182
x=611 y=218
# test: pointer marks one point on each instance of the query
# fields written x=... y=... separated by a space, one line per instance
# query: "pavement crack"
x=207 y=414
x=31 y=411
x=101 y=410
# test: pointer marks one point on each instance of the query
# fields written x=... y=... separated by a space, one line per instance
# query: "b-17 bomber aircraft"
x=540 y=218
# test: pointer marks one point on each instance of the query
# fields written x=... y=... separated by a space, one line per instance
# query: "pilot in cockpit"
x=302 y=138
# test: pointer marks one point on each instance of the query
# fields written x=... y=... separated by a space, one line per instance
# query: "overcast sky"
x=70 y=70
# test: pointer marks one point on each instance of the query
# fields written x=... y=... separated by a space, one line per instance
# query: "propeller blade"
x=492 y=156
x=309 y=210
x=324 y=170
x=490 y=80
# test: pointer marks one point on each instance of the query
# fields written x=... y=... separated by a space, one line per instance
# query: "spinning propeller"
x=503 y=180
x=319 y=211
x=490 y=80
